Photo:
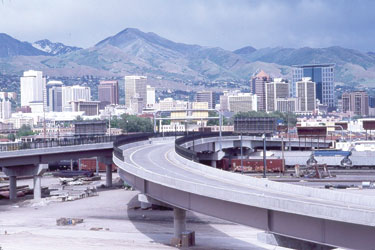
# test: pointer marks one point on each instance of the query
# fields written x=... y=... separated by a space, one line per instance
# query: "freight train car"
x=256 y=165
x=90 y=165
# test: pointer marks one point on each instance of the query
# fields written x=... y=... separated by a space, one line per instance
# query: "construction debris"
x=75 y=188
x=68 y=221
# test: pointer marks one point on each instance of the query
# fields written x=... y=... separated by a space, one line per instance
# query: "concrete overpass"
x=165 y=173
x=34 y=159
x=325 y=217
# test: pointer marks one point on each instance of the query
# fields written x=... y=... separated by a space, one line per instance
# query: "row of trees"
x=132 y=123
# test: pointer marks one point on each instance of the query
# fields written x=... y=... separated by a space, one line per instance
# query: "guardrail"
x=56 y=143
x=191 y=154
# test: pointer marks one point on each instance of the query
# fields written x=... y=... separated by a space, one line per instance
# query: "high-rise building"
x=108 y=93
x=54 y=96
x=278 y=88
x=33 y=86
x=356 y=102
x=206 y=96
x=322 y=75
x=287 y=104
x=258 y=87
x=5 y=109
x=90 y=108
x=74 y=93
x=242 y=102
x=150 y=96
x=306 y=94
x=135 y=87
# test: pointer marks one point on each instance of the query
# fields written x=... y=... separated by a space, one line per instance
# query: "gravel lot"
x=32 y=226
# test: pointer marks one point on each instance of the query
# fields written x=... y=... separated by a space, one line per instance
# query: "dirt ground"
x=110 y=222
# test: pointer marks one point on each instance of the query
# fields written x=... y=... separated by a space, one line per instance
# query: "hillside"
x=132 y=51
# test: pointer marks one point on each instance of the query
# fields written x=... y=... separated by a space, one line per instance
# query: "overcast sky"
x=227 y=24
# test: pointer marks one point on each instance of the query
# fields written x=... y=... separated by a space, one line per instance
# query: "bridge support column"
x=179 y=223
x=40 y=170
x=37 y=187
x=12 y=187
x=108 y=178
x=213 y=164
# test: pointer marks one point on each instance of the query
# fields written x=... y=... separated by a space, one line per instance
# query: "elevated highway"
x=322 y=216
x=32 y=159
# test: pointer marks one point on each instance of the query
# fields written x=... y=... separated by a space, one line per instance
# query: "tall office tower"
x=356 y=102
x=306 y=93
x=242 y=102
x=135 y=87
x=89 y=107
x=108 y=93
x=150 y=96
x=258 y=87
x=287 y=104
x=278 y=88
x=54 y=99
x=33 y=86
x=74 y=93
x=206 y=96
x=322 y=75
x=5 y=109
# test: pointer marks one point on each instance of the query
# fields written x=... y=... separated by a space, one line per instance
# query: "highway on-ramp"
x=322 y=216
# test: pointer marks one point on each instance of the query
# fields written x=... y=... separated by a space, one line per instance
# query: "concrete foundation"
x=108 y=171
x=12 y=187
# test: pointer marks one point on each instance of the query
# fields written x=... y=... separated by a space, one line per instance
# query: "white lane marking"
x=239 y=191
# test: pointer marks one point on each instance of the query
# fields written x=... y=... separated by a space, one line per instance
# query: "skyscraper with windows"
x=136 y=87
x=258 y=87
x=206 y=96
x=356 y=102
x=33 y=86
x=322 y=75
x=108 y=93
x=74 y=93
x=278 y=88
x=54 y=96
x=306 y=93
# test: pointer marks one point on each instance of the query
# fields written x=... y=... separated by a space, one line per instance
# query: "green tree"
x=133 y=123
x=11 y=137
x=215 y=122
x=25 y=130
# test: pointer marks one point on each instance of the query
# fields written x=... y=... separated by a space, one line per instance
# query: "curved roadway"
x=285 y=209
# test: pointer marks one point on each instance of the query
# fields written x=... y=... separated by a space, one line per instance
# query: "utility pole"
x=264 y=156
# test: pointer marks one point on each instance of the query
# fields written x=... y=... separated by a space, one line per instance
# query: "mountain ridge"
x=132 y=51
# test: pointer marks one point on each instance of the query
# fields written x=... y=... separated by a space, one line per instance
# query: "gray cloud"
x=227 y=24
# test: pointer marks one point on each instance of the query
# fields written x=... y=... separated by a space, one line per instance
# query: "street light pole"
x=241 y=155
x=220 y=127
x=264 y=156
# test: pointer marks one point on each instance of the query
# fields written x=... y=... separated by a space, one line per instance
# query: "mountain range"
x=132 y=51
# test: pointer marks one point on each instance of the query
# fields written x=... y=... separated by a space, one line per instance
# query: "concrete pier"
x=12 y=187
x=179 y=223
x=213 y=164
x=37 y=187
x=108 y=175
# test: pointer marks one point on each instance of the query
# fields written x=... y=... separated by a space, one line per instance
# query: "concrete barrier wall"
x=319 y=210
x=323 y=194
